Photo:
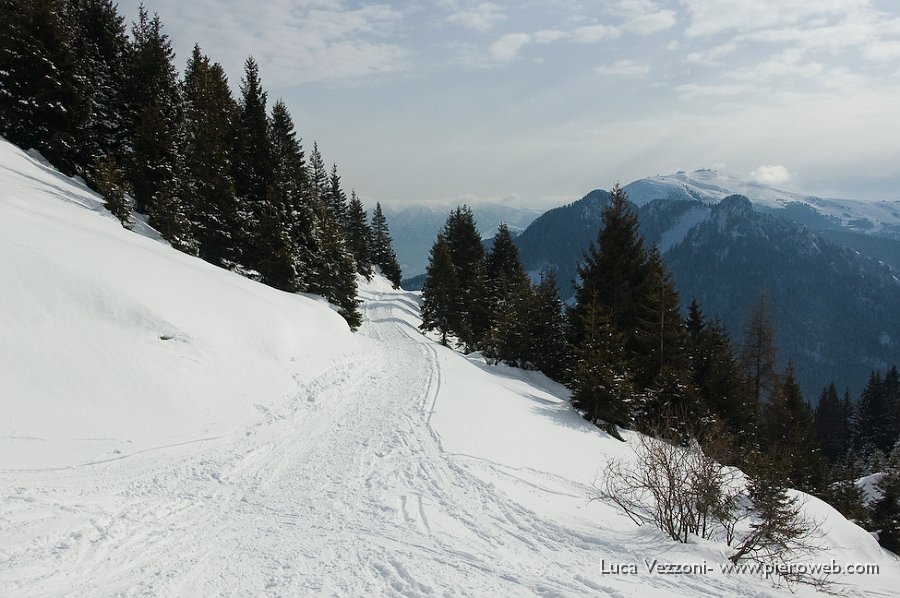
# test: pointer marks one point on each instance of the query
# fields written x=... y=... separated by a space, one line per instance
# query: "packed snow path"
x=344 y=489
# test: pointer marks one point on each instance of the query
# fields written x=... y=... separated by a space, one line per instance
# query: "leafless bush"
x=681 y=490
x=686 y=491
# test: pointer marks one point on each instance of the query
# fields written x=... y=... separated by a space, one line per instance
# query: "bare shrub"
x=685 y=491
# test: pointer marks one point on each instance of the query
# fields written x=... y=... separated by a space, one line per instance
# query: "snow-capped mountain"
x=834 y=291
x=880 y=218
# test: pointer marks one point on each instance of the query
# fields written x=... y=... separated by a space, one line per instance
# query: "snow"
x=169 y=428
x=711 y=186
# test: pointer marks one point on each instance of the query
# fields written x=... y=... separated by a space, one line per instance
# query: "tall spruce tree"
x=101 y=48
x=382 y=247
x=110 y=183
x=718 y=378
x=280 y=265
x=467 y=254
x=318 y=176
x=252 y=161
x=788 y=435
x=885 y=514
x=722 y=386
x=335 y=198
x=509 y=301
x=291 y=188
x=874 y=425
x=439 y=291
x=549 y=351
x=359 y=236
x=210 y=114
x=158 y=171
x=44 y=100
x=155 y=104
x=601 y=382
x=759 y=352
x=662 y=336
x=660 y=357
x=629 y=286
x=614 y=274
x=832 y=425
x=335 y=268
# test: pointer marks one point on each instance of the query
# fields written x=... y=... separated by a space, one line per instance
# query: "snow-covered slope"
x=878 y=217
x=170 y=429
x=112 y=342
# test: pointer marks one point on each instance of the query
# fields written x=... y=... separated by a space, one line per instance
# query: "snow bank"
x=114 y=342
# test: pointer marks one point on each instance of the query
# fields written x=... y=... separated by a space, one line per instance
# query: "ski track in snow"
x=345 y=491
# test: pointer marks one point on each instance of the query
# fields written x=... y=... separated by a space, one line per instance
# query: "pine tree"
x=874 y=426
x=210 y=114
x=335 y=268
x=718 y=378
x=601 y=384
x=252 y=161
x=788 y=435
x=298 y=235
x=44 y=99
x=759 y=352
x=614 y=273
x=467 y=255
x=110 y=183
x=155 y=104
x=695 y=322
x=158 y=172
x=509 y=301
x=886 y=510
x=335 y=198
x=382 y=247
x=661 y=338
x=832 y=425
x=629 y=285
x=549 y=351
x=505 y=274
x=359 y=236
x=279 y=264
x=439 y=291
x=101 y=49
x=318 y=177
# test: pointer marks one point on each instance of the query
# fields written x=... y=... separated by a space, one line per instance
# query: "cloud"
x=624 y=68
x=477 y=17
x=294 y=41
x=547 y=36
x=692 y=91
x=507 y=47
x=710 y=17
x=712 y=56
x=787 y=65
x=651 y=23
x=773 y=175
x=591 y=34
x=882 y=51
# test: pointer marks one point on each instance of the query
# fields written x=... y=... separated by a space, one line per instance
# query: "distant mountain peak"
x=711 y=186
x=733 y=206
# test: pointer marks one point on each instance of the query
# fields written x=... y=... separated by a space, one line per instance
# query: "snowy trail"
x=343 y=490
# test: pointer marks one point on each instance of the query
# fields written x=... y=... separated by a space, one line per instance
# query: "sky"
x=538 y=103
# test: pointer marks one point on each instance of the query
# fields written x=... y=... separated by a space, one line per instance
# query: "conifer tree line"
x=632 y=360
x=485 y=300
x=222 y=177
